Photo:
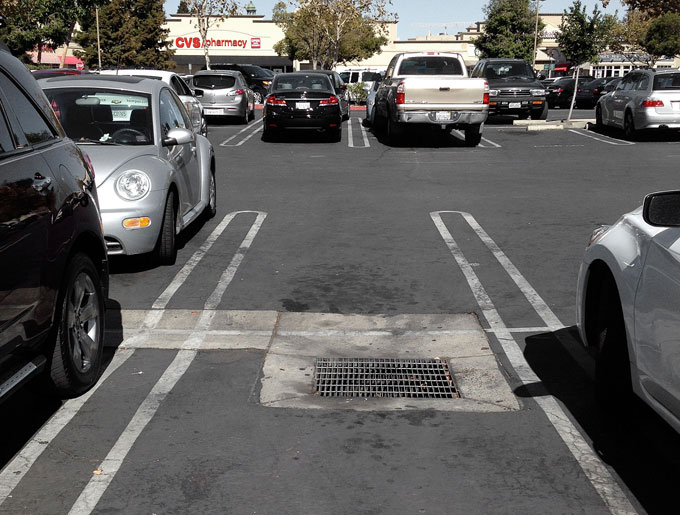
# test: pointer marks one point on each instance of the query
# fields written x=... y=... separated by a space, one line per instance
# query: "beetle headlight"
x=133 y=185
x=538 y=92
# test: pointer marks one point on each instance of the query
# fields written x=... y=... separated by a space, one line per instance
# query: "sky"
x=416 y=17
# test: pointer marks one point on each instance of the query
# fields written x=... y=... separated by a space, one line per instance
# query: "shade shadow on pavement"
x=640 y=446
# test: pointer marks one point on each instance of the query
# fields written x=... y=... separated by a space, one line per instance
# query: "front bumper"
x=122 y=241
x=439 y=117
x=515 y=105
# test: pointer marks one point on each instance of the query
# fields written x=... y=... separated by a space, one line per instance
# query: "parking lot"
x=427 y=249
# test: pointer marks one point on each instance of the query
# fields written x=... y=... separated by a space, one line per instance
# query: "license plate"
x=515 y=105
x=442 y=116
x=302 y=105
x=212 y=111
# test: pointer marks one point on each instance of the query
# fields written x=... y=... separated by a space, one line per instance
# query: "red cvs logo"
x=254 y=42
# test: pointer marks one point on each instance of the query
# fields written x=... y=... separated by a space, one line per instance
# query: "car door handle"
x=41 y=183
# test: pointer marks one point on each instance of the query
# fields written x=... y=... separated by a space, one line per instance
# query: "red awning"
x=561 y=68
x=54 y=58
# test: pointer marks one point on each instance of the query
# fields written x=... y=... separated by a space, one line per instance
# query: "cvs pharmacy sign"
x=195 y=42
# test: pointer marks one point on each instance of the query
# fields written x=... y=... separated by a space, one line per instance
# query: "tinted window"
x=6 y=144
x=508 y=69
x=255 y=71
x=430 y=65
x=667 y=81
x=301 y=82
x=171 y=113
x=34 y=126
x=643 y=84
x=214 y=81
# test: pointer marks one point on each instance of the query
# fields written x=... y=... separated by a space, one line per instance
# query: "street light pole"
x=538 y=4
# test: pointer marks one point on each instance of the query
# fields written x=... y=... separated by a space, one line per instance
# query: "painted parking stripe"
x=604 y=139
x=225 y=143
x=597 y=473
x=496 y=145
x=16 y=469
x=350 y=134
x=98 y=484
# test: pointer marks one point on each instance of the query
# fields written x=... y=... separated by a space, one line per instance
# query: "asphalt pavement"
x=350 y=249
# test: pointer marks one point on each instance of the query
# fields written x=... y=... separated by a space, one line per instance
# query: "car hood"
x=106 y=159
x=513 y=83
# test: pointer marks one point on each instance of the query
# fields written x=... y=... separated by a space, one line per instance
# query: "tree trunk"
x=573 y=96
x=62 y=64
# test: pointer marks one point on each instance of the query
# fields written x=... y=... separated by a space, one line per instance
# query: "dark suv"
x=258 y=78
x=513 y=88
x=54 y=278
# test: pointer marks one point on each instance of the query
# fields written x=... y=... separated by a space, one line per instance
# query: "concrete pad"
x=288 y=370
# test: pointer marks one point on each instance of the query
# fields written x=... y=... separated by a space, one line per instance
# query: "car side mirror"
x=662 y=209
x=178 y=136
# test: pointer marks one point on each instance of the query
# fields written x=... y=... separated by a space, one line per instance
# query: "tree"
x=327 y=32
x=509 y=30
x=208 y=13
x=653 y=7
x=628 y=35
x=131 y=35
x=663 y=36
x=583 y=37
x=183 y=7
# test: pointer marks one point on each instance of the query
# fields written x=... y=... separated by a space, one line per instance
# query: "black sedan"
x=589 y=93
x=302 y=101
x=561 y=91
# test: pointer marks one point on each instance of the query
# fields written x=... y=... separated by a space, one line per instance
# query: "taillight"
x=595 y=92
x=332 y=100
x=652 y=103
x=401 y=93
x=276 y=101
x=240 y=92
x=485 y=98
x=560 y=90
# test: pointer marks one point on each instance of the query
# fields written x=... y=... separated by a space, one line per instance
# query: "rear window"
x=667 y=81
x=214 y=81
x=302 y=82
x=430 y=65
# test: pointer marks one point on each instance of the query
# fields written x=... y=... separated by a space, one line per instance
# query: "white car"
x=628 y=305
x=179 y=86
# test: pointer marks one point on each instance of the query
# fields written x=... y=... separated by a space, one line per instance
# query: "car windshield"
x=430 y=65
x=214 y=81
x=302 y=82
x=103 y=116
x=667 y=81
x=508 y=70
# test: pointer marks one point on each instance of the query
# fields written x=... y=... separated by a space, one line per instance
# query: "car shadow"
x=419 y=137
x=659 y=136
x=25 y=412
x=638 y=444
x=222 y=121
x=296 y=136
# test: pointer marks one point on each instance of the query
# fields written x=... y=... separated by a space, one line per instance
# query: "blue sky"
x=417 y=16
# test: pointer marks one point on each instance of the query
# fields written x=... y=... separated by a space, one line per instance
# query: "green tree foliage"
x=509 y=30
x=33 y=24
x=131 y=35
x=327 y=32
x=209 y=12
x=183 y=7
x=627 y=37
x=663 y=36
x=653 y=7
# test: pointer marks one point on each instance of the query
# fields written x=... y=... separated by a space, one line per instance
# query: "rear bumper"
x=434 y=118
x=649 y=119
x=275 y=120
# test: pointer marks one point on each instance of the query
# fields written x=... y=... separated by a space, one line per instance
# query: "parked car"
x=629 y=305
x=370 y=104
x=643 y=100
x=366 y=77
x=589 y=93
x=340 y=89
x=155 y=175
x=561 y=91
x=54 y=278
x=302 y=101
x=258 y=79
x=514 y=88
x=224 y=93
x=186 y=95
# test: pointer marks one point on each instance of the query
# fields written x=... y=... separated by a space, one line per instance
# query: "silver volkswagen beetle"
x=154 y=175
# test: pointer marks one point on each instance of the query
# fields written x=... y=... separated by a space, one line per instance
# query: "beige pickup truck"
x=430 y=88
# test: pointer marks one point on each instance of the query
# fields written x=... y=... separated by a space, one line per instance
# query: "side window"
x=475 y=70
x=170 y=113
x=176 y=86
x=390 y=67
x=6 y=144
x=34 y=127
x=629 y=82
x=643 y=83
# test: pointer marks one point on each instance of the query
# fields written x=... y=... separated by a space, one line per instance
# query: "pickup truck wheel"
x=395 y=131
x=473 y=135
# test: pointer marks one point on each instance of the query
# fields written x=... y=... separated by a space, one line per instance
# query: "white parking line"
x=597 y=473
x=491 y=143
x=350 y=137
x=92 y=493
x=16 y=469
x=613 y=141
x=225 y=143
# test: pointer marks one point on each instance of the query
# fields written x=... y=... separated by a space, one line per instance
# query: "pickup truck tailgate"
x=437 y=90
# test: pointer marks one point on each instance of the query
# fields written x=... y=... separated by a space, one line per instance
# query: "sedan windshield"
x=508 y=69
x=667 y=81
x=103 y=116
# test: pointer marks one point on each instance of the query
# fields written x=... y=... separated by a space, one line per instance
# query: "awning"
x=54 y=58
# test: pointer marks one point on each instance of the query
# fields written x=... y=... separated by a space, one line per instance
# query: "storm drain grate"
x=384 y=377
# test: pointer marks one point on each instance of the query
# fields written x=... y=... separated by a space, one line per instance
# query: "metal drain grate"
x=384 y=377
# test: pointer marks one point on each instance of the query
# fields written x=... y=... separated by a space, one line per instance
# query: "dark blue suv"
x=53 y=266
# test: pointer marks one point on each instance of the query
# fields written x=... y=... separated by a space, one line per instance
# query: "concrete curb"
x=542 y=125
